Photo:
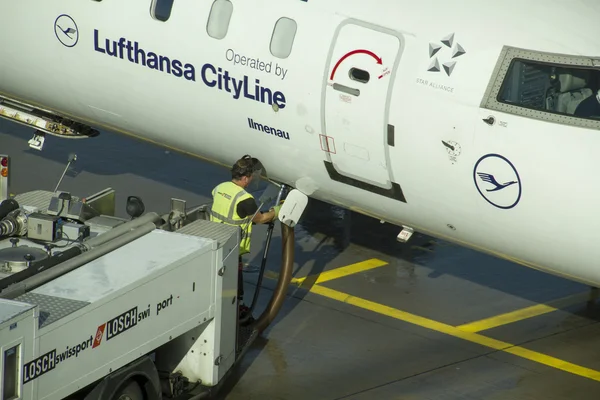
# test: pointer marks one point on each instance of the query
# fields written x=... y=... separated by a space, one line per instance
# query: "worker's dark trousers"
x=240 y=280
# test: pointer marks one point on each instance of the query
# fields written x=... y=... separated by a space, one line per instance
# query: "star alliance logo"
x=434 y=48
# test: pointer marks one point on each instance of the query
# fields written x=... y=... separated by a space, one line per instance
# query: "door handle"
x=346 y=89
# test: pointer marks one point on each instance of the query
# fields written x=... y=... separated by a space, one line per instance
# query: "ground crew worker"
x=233 y=205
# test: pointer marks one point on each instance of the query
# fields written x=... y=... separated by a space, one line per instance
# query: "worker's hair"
x=245 y=166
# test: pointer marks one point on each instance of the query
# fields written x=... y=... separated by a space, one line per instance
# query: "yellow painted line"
x=453 y=331
x=334 y=273
x=524 y=313
x=466 y=332
x=344 y=271
x=273 y=275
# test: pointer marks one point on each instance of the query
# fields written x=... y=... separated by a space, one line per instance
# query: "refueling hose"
x=261 y=275
x=285 y=277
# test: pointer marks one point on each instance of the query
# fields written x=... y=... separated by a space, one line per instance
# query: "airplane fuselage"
x=387 y=108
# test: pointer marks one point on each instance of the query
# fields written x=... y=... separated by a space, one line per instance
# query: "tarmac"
x=367 y=317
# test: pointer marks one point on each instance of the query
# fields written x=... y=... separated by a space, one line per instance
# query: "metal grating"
x=51 y=308
x=246 y=336
x=211 y=230
x=38 y=198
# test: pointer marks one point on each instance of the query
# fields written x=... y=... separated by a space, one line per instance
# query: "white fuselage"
x=391 y=130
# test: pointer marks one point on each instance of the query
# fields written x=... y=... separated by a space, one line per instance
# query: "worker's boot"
x=243 y=313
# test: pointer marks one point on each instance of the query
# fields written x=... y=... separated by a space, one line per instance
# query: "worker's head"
x=245 y=170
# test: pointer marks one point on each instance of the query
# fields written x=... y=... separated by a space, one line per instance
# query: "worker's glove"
x=276 y=209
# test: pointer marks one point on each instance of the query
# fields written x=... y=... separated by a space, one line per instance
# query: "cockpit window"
x=545 y=86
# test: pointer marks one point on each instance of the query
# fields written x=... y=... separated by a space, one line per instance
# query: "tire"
x=130 y=391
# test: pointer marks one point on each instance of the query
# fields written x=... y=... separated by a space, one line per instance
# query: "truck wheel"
x=130 y=391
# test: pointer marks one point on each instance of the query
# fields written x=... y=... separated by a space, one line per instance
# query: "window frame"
x=153 y=5
x=273 y=36
x=208 y=20
x=508 y=55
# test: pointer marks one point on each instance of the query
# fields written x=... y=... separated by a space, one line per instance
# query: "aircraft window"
x=161 y=9
x=359 y=75
x=283 y=37
x=218 y=20
x=551 y=87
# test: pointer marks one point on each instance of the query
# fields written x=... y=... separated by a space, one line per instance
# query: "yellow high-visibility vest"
x=226 y=197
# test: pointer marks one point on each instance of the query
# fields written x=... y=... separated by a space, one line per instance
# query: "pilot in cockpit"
x=589 y=108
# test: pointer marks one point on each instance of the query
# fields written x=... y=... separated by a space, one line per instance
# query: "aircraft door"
x=356 y=135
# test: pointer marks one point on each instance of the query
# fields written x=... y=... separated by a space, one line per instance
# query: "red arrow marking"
x=385 y=72
x=378 y=59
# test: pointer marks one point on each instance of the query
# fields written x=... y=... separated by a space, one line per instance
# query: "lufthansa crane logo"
x=497 y=181
x=66 y=30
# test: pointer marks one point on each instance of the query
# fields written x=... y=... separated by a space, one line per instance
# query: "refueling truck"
x=97 y=307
